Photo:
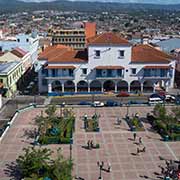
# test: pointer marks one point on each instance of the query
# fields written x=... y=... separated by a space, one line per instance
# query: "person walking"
x=134 y=135
x=140 y=140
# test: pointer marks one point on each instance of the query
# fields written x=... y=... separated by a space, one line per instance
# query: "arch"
x=122 y=86
x=69 y=86
x=56 y=86
x=148 y=86
x=95 y=86
x=109 y=85
x=82 y=86
x=135 y=86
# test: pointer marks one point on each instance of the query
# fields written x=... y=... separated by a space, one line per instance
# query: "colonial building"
x=110 y=63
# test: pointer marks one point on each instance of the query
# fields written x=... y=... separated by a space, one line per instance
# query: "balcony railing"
x=56 y=77
x=98 y=76
x=152 y=76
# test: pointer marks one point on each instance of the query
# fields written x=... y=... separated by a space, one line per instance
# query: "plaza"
x=116 y=145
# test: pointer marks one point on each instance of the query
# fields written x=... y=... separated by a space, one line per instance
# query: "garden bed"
x=135 y=124
x=167 y=125
x=54 y=129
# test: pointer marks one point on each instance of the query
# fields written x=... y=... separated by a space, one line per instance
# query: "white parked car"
x=170 y=98
x=97 y=104
x=155 y=100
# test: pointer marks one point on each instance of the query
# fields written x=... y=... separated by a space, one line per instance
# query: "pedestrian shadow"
x=130 y=139
x=134 y=154
x=30 y=133
x=85 y=147
x=12 y=171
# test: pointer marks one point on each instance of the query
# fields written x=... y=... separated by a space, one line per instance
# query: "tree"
x=34 y=162
x=51 y=111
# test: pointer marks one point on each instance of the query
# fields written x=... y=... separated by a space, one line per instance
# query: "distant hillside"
x=16 y=6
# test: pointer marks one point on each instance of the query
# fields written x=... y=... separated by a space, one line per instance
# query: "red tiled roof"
x=146 y=53
x=60 y=67
x=107 y=38
x=157 y=67
x=63 y=54
x=109 y=67
x=19 y=52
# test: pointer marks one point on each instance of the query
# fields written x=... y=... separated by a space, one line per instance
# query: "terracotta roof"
x=157 y=67
x=146 y=53
x=60 y=67
x=19 y=52
x=109 y=67
x=63 y=54
x=107 y=38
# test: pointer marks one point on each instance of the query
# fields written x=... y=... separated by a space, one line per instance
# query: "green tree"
x=34 y=162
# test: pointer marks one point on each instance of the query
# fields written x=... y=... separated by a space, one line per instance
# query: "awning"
x=60 y=67
x=158 y=67
x=109 y=67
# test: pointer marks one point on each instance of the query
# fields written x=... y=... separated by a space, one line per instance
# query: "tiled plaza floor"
x=116 y=146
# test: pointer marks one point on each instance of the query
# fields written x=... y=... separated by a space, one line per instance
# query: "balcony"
x=57 y=77
x=98 y=76
x=152 y=76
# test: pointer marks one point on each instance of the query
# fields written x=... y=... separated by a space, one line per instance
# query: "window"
x=97 y=54
x=1 y=80
x=84 y=71
x=44 y=82
x=18 y=40
x=133 y=71
x=27 y=40
x=121 y=54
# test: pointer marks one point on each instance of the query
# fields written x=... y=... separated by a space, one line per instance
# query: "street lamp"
x=100 y=165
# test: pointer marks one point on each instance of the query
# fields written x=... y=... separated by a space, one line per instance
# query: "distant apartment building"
x=108 y=64
x=75 y=37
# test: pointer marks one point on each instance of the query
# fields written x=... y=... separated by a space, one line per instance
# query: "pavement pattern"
x=116 y=146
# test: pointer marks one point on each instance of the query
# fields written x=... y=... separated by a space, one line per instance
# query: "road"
x=77 y=99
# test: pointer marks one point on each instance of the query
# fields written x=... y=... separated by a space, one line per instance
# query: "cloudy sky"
x=127 y=1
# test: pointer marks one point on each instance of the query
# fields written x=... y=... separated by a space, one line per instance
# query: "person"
x=109 y=167
x=118 y=121
x=88 y=143
x=138 y=151
x=91 y=144
x=144 y=149
x=140 y=140
x=134 y=136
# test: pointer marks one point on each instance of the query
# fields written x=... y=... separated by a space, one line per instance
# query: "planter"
x=166 y=138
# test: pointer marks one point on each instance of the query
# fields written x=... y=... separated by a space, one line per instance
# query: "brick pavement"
x=116 y=146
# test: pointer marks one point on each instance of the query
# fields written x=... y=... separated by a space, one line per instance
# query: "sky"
x=127 y=1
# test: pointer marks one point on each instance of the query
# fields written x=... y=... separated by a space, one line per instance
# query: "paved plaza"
x=116 y=145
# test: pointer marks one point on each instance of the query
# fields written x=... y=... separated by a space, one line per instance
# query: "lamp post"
x=100 y=165
x=70 y=146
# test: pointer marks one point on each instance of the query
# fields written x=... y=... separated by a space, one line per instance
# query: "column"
x=129 y=89
x=75 y=88
x=142 y=88
x=49 y=87
x=115 y=90
x=154 y=89
x=62 y=87
x=89 y=90
x=102 y=88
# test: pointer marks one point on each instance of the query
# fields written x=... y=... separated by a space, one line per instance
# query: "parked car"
x=155 y=95
x=123 y=94
x=85 y=103
x=111 y=103
x=155 y=100
x=97 y=104
x=170 y=98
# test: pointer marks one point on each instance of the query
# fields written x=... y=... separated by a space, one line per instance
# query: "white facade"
x=29 y=43
x=108 y=72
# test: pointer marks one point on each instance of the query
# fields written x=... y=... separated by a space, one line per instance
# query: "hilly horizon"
x=84 y=6
x=163 y=2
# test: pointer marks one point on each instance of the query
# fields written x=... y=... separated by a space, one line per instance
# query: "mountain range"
x=85 y=5
x=120 y=1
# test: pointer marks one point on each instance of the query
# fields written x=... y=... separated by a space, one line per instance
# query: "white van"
x=155 y=100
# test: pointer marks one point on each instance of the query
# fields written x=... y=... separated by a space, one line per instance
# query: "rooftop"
x=107 y=38
x=6 y=67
